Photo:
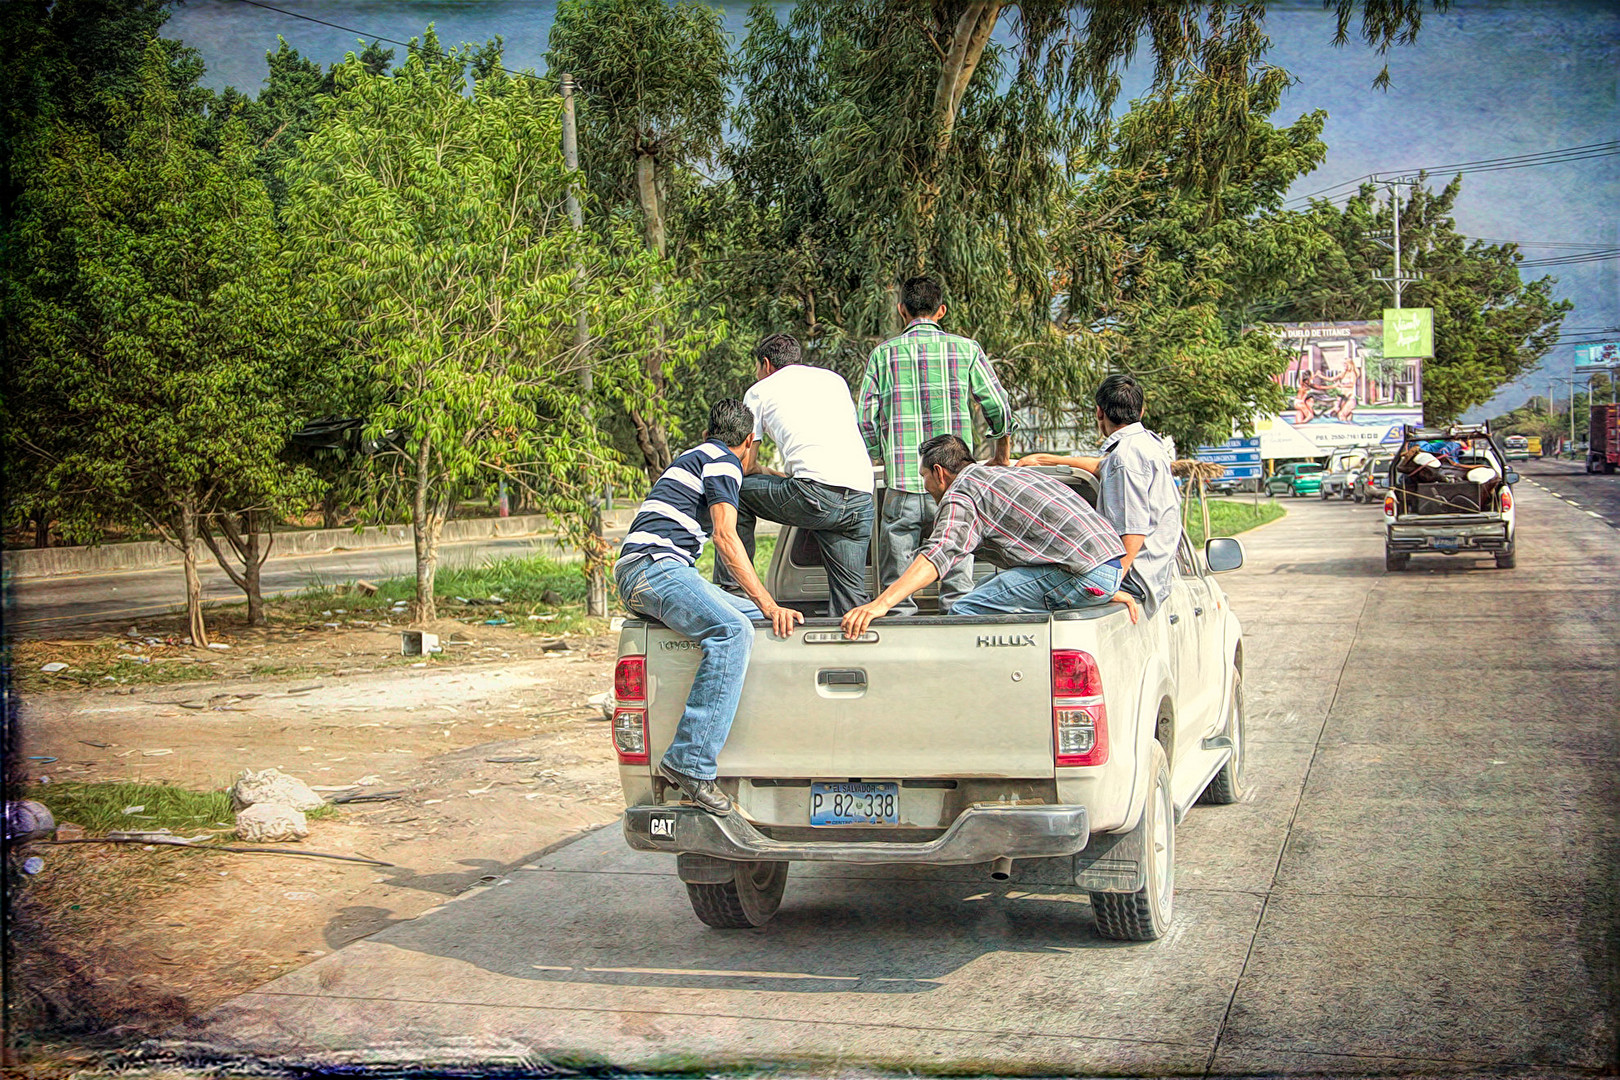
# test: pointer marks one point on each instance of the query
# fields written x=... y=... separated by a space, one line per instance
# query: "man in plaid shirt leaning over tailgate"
x=1054 y=550
x=917 y=386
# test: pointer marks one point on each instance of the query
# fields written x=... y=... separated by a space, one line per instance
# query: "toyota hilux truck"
x=1061 y=747
x=1460 y=516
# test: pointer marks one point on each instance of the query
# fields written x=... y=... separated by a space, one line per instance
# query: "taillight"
x=1079 y=716
x=1389 y=506
x=1507 y=500
x=630 y=710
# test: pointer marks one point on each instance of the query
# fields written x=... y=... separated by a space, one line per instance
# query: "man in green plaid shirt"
x=917 y=386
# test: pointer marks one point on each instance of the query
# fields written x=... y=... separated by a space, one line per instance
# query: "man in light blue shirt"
x=1138 y=491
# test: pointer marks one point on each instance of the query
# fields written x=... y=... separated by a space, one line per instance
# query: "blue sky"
x=1491 y=78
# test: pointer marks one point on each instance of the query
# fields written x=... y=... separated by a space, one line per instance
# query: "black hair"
x=780 y=349
x=921 y=296
x=1120 y=399
x=730 y=422
x=947 y=450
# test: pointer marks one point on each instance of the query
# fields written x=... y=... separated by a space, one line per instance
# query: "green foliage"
x=99 y=807
x=430 y=222
x=1228 y=517
x=1490 y=326
x=152 y=321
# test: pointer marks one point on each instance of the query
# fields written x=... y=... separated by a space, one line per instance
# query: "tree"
x=1490 y=326
x=880 y=138
x=1162 y=281
x=153 y=307
x=430 y=221
x=652 y=82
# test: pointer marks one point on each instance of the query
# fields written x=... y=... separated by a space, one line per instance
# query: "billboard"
x=1591 y=359
x=1346 y=391
x=1408 y=332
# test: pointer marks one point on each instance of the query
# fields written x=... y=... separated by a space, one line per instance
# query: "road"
x=1595 y=494
x=53 y=604
x=1423 y=881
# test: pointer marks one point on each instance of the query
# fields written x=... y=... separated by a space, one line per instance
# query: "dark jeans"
x=839 y=519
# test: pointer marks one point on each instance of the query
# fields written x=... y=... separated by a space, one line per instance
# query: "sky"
x=1488 y=79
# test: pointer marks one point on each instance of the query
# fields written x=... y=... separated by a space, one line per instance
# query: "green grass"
x=764 y=546
x=1228 y=517
x=99 y=808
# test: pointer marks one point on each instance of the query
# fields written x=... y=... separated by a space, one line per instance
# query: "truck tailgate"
x=923 y=696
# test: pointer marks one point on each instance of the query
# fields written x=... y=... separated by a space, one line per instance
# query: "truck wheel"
x=1227 y=787
x=750 y=898
x=1396 y=560
x=1146 y=914
x=1323 y=492
x=1507 y=560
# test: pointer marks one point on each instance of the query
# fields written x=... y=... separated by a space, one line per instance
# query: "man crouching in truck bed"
x=657 y=577
x=1054 y=550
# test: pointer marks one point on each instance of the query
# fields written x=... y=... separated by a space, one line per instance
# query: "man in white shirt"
x=826 y=485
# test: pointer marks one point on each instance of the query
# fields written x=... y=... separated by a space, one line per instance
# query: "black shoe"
x=704 y=794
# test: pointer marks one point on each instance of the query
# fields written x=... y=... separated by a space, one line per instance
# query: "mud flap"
x=1114 y=862
x=704 y=869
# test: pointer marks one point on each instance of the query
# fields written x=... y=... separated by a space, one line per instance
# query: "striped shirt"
x=1018 y=517
x=673 y=522
x=919 y=385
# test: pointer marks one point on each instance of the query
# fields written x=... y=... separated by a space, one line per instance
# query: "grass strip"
x=1228 y=517
x=100 y=807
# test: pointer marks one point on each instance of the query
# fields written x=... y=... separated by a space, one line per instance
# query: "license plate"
x=1444 y=543
x=854 y=804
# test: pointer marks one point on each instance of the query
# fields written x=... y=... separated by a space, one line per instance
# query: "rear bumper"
x=979 y=835
x=1480 y=536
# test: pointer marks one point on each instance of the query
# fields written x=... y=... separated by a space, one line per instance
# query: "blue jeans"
x=1040 y=588
x=908 y=520
x=839 y=519
x=676 y=595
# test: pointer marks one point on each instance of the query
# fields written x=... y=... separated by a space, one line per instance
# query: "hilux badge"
x=1006 y=641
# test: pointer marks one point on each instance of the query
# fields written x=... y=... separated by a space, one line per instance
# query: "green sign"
x=1408 y=332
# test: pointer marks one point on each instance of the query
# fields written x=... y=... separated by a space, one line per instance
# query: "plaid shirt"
x=918 y=385
x=1018 y=517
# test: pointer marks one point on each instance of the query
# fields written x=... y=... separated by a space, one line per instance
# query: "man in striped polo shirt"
x=657 y=577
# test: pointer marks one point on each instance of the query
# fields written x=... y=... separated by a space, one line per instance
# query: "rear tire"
x=1507 y=560
x=1323 y=492
x=1227 y=787
x=1396 y=560
x=749 y=899
x=1145 y=915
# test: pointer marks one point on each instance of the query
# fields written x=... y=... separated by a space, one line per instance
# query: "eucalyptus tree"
x=881 y=138
x=430 y=221
x=652 y=81
x=151 y=315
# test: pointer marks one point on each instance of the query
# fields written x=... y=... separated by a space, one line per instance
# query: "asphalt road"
x=1595 y=494
x=1423 y=882
x=52 y=604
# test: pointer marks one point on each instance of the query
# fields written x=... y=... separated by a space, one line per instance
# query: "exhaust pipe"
x=1001 y=869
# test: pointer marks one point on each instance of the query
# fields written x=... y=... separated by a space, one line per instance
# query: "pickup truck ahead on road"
x=1070 y=742
x=1470 y=517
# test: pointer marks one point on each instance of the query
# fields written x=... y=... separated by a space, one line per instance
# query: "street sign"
x=1591 y=359
x=1408 y=332
x=1240 y=456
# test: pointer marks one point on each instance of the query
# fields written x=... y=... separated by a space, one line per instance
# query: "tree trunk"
x=425 y=524
x=187 y=522
x=42 y=529
x=596 y=555
x=329 y=507
x=651 y=210
x=244 y=541
x=968 y=39
x=651 y=437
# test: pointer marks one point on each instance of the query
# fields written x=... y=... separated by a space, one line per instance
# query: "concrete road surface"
x=51 y=604
x=1595 y=494
x=1423 y=881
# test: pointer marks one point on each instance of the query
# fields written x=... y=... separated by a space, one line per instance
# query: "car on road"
x=1340 y=468
x=1369 y=483
x=1297 y=478
x=1516 y=448
x=1467 y=511
x=1057 y=748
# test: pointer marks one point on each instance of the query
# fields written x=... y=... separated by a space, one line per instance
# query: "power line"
x=1572 y=260
x=1583 y=152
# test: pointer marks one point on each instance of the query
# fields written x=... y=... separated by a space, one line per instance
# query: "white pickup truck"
x=1070 y=743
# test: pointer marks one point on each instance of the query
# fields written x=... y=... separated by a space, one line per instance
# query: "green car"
x=1297 y=479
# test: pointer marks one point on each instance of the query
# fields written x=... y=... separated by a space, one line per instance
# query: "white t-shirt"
x=810 y=416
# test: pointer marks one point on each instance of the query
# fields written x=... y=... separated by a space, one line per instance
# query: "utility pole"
x=596 y=556
x=1393 y=241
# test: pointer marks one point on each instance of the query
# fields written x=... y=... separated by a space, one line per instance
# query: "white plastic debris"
x=220 y=645
x=33 y=864
x=268 y=823
x=53 y=667
x=272 y=786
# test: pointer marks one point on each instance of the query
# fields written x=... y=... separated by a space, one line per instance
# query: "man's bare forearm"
x=1133 y=545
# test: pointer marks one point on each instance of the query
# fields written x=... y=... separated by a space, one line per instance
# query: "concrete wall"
x=145 y=555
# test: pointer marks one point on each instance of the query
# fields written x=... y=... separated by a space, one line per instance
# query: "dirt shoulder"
x=495 y=747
